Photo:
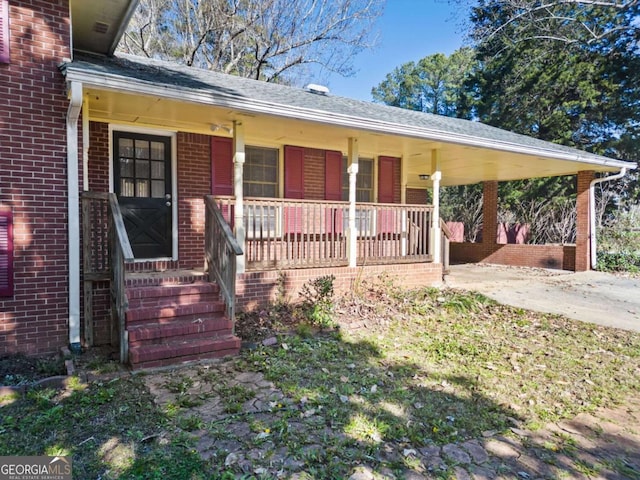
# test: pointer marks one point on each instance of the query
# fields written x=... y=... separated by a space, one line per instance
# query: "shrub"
x=318 y=304
x=619 y=262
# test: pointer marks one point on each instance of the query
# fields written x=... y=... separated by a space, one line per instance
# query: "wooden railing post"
x=120 y=252
x=446 y=241
x=221 y=252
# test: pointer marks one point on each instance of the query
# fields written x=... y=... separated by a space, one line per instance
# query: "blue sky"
x=409 y=30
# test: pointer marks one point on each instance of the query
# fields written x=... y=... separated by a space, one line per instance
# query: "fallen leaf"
x=230 y=459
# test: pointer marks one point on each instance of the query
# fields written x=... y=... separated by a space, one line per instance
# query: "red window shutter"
x=4 y=31
x=221 y=166
x=333 y=176
x=293 y=172
x=387 y=178
x=6 y=253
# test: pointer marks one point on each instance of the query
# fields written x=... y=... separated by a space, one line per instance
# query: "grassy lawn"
x=431 y=367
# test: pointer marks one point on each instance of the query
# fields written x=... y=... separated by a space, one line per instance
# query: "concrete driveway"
x=602 y=298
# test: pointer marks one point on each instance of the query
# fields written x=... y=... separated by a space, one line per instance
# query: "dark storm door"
x=142 y=182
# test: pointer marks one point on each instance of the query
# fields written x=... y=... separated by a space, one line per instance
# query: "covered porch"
x=266 y=186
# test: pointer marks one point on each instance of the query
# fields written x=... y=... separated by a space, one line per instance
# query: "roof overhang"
x=464 y=158
x=98 y=26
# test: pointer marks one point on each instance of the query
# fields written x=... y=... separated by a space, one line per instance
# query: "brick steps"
x=172 y=295
x=173 y=353
x=171 y=323
x=191 y=311
x=157 y=333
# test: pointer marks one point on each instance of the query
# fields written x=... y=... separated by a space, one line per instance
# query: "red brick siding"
x=489 y=213
x=314 y=165
x=560 y=257
x=257 y=288
x=582 y=261
x=416 y=196
x=99 y=157
x=194 y=182
x=33 y=176
x=397 y=188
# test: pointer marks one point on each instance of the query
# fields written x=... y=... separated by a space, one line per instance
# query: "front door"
x=142 y=182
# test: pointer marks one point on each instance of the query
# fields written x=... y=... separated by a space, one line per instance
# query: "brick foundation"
x=258 y=288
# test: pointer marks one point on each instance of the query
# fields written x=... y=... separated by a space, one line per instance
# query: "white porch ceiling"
x=460 y=164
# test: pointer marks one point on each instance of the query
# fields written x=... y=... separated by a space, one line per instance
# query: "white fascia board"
x=253 y=106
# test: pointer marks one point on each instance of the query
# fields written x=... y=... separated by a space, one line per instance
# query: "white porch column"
x=436 y=176
x=238 y=166
x=352 y=233
x=403 y=200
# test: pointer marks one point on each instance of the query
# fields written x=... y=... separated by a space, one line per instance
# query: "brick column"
x=583 y=232
x=489 y=215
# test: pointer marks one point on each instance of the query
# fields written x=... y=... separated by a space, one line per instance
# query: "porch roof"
x=470 y=151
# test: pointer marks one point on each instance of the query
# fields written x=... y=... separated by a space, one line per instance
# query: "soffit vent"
x=101 y=27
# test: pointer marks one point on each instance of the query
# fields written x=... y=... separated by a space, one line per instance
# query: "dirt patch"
x=18 y=370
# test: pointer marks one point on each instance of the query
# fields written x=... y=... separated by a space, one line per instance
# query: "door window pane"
x=157 y=151
x=142 y=168
x=142 y=188
x=126 y=167
x=125 y=147
x=157 y=170
x=157 y=188
x=126 y=188
x=142 y=149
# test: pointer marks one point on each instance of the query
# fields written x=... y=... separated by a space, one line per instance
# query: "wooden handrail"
x=120 y=253
x=445 y=229
x=446 y=241
x=221 y=250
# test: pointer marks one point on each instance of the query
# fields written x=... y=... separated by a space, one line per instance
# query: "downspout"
x=73 y=214
x=592 y=213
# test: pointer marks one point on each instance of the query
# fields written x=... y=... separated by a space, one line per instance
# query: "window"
x=364 y=180
x=260 y=172
x=365 y=219
x=6 y=253
x=261 y=180
x=143 y=164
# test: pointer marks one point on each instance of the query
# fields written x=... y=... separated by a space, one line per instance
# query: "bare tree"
x=588 y=22
x=269 y=40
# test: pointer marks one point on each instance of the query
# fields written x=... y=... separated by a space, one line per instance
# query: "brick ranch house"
x=142 y=202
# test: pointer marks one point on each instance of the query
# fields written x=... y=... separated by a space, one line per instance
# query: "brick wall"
x=257 y=288
x=33 y=176
x=314 y=166
x=99 y=157
x=194 y=182
x=560 y=257
x=416 y=196
x=397 y=188
x=583 y=260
